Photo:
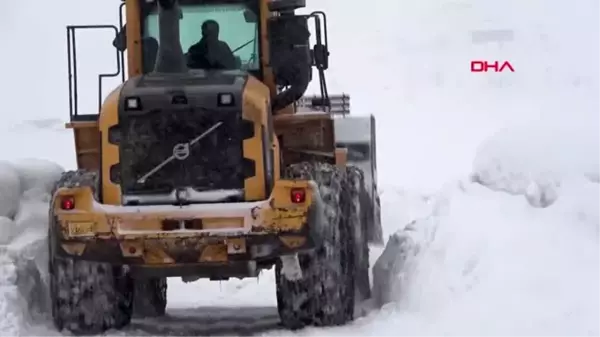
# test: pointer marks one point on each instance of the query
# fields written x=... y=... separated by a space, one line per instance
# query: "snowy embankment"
x=25 y=188
x=510 y=250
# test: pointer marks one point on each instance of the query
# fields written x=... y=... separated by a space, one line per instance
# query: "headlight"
x=225 y=99
x=133 y=103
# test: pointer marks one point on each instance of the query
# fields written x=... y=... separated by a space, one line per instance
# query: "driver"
x=210 y=52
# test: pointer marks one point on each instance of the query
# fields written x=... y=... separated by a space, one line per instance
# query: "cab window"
x=236 y=29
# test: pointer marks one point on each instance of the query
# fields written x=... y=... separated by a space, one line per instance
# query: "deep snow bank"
x=25 y=188
x=513 y=249
x=489 y=264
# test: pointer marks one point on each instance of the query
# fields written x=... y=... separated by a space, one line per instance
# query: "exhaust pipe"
x=170 y=57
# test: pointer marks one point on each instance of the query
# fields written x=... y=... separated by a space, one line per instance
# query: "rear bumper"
x=195 y=235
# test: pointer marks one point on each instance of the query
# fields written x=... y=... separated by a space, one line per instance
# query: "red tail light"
x=298 y=195
x=67 y=203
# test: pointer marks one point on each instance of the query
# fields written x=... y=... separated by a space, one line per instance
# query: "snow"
x=490 y=264
x=23 y=253
x=498 y=174
x=10 y=190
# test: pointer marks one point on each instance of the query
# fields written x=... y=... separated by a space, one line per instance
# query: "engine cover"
x=182 y=138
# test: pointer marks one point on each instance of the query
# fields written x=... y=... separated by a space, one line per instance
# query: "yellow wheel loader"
x=209 y=162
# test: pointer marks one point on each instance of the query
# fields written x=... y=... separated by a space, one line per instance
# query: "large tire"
x=359 y=212
x=325 y=294
x=150 y=297
x=86 y=297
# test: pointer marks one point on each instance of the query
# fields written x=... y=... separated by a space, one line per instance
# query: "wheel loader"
x=215 y=171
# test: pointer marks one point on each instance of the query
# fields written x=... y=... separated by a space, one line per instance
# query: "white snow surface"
x=499 y=173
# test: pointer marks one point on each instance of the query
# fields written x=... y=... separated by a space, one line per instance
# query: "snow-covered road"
x=470 y=159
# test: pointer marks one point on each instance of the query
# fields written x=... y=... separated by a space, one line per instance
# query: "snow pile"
x=487 y=262
x=9 y=298
x=25 y=188
x=494 y=266
x=390 y=270
x=533 y=159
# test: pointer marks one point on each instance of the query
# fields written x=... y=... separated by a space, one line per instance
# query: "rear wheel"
x=86 y=297
x=325 y=294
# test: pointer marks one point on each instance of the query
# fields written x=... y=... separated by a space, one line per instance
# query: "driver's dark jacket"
x=210 y=55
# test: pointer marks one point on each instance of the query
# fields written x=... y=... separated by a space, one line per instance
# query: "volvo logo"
x=181 y=151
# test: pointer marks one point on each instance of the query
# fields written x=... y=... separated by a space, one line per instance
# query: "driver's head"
x=210 y=30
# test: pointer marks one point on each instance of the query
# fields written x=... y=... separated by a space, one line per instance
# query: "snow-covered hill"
x=498 y=174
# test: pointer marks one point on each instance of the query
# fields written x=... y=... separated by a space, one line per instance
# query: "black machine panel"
x=183 y=138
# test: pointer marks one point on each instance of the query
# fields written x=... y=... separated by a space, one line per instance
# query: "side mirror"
x=250 y=16
x=321 y=56
x=120 y=41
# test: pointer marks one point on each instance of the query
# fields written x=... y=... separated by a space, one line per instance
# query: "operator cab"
x=211 y=33
x=242 y=27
